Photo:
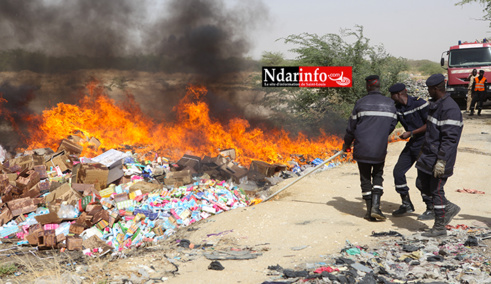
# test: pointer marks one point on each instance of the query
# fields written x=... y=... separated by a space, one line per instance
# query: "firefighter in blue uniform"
x=372 y=120
x=411 y=113
x=439 y=152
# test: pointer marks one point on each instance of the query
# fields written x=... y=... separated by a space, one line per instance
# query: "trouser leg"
x=377 y=191
x=469 y=100
x=404 y=163
x=365 y=180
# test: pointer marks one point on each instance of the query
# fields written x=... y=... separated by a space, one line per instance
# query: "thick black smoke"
x=199 y=36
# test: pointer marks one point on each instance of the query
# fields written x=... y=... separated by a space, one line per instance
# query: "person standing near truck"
x=412 y=113
x=372 y=120
x=471 y=78
x=479 y=92
x=439 y=152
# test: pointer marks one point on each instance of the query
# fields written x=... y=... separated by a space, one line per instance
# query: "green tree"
x=350 y=48
x=272 y=59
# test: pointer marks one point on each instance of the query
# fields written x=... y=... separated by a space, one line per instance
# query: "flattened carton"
x=66 y=193
x=91 y=173
x=21 y=206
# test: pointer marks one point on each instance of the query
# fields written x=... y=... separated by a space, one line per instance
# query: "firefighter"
x=372 y=120
x=479 y=92
x=439 y=151
x=471 y=79
x=411 y=113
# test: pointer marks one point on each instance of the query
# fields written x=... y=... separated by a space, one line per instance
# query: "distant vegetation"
x=18 y=60
x=424 y=67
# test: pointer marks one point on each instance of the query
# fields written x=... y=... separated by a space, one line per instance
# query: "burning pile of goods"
x=147 y=184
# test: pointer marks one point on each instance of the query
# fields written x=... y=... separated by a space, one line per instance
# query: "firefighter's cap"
x=372 y=77
x=434 y=80
x=396 y=88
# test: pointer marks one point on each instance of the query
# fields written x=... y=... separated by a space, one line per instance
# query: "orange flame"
x=195 y=132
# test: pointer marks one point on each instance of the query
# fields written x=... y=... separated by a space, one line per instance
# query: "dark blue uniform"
x=443 y=131
x=412 y=116
x=372 y=120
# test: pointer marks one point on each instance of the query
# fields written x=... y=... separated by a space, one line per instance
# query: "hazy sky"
x=414 y=29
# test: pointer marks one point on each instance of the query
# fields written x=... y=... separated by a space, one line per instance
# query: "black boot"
x=472 y=112
x=375 y=212
x=369 y=211
x=429 y=214
x=438 y=228
x=479 y=112
x=450 y=211
x=406 y=207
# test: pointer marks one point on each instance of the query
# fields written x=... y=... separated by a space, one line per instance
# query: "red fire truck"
x=462 y=58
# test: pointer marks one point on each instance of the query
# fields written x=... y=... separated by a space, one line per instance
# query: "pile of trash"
x=59 y=200
x=457 y=258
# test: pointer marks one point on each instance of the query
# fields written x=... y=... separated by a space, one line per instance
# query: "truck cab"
x=461 y=60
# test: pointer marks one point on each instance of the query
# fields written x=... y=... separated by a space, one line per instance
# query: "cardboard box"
x=26 y=162
x=27 y=180
x=59 y=159
x=84 y=189
x=65 y=193
x=5 y=215
x=265 y=168
x=76 y=229
x=191 y=162
x=113 y=160
x=145 y=187
x=228 y=153
x=47 y=239
x=21 y=206
x=33 y=192
x=91 y=173
x=4 y=182
x=70 y=147
x=74 y=243
x=41 y=170
x=234 y=172
x=182 y=177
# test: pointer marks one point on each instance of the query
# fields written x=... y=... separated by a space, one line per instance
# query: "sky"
x=416 y=29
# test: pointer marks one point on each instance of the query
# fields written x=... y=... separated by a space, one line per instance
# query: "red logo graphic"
x=325 y=76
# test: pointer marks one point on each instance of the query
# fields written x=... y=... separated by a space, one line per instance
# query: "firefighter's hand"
x=346 y=148
x=439 y=168
x=405 y=135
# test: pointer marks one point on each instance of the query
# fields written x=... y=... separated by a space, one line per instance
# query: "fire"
x=195 y=131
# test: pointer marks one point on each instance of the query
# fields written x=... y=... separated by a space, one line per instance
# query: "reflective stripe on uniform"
x=374 y=113
x=401 y=185
x=439 y=206
x=445 y=122
x=378 y=186
x=366 y=193
x=414 y=109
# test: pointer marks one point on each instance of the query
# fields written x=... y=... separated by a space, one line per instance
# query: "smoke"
x=202 y=36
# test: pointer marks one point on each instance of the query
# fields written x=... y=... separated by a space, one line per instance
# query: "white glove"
x=439 y=168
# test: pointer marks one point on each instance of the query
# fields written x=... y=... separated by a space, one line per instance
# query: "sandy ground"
x=316 y=216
